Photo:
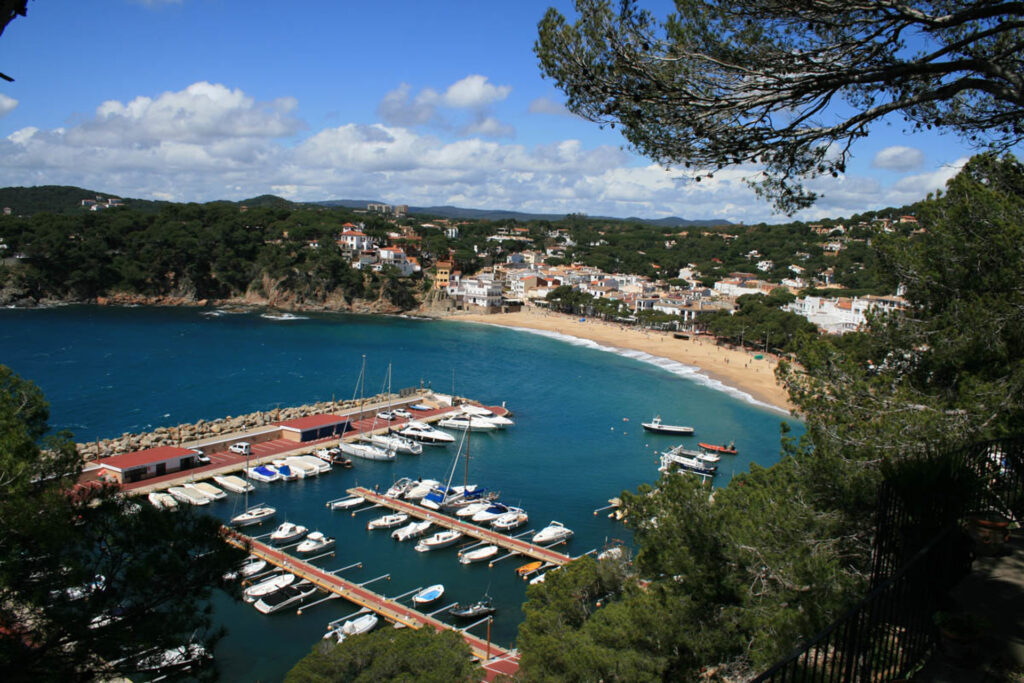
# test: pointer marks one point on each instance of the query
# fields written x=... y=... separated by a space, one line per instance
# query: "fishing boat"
x=315 y=542
x=513 y=519
x=529 y=568
x=286 y=597
x=424 y=433
x=442 y=539
x=287 y=533
x=189 y=496
x=366 y=451
x=723 y=449
x=420 y=488
x=552 y=533
x=428 y=594
x=163 y=501
x=233 y=483
x=347 y=503
x=659 y=427
x=208 y=490
x=474 y=610
x=267 y=586
x=411 y=530
x=252 y=515
x=498 y=421
x=388 y=521
x=478 y=554
x=463 y=422
x=264 y=473
x=353 y=627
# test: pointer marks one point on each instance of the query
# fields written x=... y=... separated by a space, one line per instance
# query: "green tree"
x=91 y=584
x=787 y=86
x=389 y=655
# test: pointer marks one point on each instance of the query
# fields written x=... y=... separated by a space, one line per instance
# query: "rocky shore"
x=206 y=429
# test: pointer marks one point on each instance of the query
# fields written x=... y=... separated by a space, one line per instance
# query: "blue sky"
x=421 y=103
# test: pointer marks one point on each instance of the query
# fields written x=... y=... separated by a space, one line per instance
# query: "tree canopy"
x=784 y=86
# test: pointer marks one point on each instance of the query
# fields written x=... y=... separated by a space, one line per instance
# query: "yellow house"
x=444 y=273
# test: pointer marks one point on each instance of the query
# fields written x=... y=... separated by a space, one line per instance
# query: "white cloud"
x=398 y=108
x=545 y=105
x=490 y=127
x=7 y=105
x=474 y=92
x=898 y=158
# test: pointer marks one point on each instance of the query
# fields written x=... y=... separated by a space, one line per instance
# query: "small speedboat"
x=659 y=427
x=315 y=542
x=420 y=488
x=475 y=610
x=463 y=422
x=252 y=565
x=397 y=443
x=267 y=586
x=478 y=554
x=411 y=530
x=333 y=456
x=552 y=533
x=424 y=433
x=399 y=488
x=513 y=519
x=347 y=503
x=163 y=501
x=287 y=473
x=354 y=627
x=264 y=473
x=491 y=513
x=208 y=490
x=190 y=496
x=529 y=568
x=723 y=449
x=286 y=597
x=473 y=508
x=388 y=521
x=233 y=483
x=442 y=539
x=366 y=451
x=499 y=421
x=287 y=532
x=254 y=515
x=429 y=594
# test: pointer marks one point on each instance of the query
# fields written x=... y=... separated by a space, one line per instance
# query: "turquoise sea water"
x=577 y=441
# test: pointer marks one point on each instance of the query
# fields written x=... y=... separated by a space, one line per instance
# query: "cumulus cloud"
x=489 y=127
x=399 y=108
x=473 y=92
x=7 y=105
x=898 y=158
x=546 y=105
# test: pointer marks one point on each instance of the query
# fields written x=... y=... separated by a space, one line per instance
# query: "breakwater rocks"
x=208 y=429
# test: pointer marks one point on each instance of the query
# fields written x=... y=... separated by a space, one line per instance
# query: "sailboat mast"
x=469 y=433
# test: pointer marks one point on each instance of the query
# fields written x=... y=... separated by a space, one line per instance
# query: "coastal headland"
x=741 y=370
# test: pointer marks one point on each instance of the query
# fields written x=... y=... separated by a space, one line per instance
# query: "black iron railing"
x=891 y=630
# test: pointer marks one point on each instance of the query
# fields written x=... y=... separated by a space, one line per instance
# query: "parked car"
x=202 y=458
x=242 y=448
x=386 y=415
x=402 y=412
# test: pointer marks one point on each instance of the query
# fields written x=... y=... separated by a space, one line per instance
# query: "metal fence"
x=891 y=630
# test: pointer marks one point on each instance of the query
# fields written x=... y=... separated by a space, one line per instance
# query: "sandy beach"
x=734 y=368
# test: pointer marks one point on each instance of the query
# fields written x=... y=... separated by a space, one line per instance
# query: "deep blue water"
x=577 y=441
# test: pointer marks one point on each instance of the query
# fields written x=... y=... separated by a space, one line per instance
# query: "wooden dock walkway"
x=501 y=540
x=494 y=658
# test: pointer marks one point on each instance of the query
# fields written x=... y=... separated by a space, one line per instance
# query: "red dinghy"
x=713 y=448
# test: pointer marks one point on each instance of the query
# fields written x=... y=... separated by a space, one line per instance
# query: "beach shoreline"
x=736 y=369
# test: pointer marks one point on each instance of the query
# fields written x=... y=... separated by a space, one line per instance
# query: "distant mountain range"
x=66 y=198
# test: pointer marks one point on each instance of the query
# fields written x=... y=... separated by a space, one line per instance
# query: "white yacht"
x=424 y=433
x=298 y=464
x=478 y=554
x=366 y=451
x=462 y=421
x=354 y=627
x=208 y=490
x=254 y=515
x=267 y=586
x=286 y=597
x=315 y=542
x=499 y=421
x=184 y=495
x=556 y=531
x=472 y=508
x=513 y=519
x=233 y=483
x=421 y=488
x=442 y=539
x=264 y=473
x=397 y=443
x=287 y=532
x=411 y=530
x=388 y=521
x=347 y=503
x=322 y=466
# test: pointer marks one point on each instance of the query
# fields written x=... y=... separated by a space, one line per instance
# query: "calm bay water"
x=577 y=441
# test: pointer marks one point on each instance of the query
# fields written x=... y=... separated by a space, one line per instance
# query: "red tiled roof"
x=147 y=457
x=311 y=422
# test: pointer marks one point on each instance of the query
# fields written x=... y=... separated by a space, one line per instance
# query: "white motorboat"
x=286 y=597
x=267 y=586
x=478 y=554
x=429 y=594
x=513 y=519
x=347 y=503
x=491 y=513
x=442 y=539
x=463 y=422
x=366 y=451
x=399 y=488
x=556 y=531
x=424 y=433
x=189 y=496
x=411 y=530
x=254 y=515
x=500 y=421
x=163 y=501
x=472 y=508
x=322 y=466
x=315 y=542
x=252 y=565
x=233 y=483
x=388 y=521
x=334 y=456
x=298 y=464
x=677 y=458
x=659 y=427
x=264 y=473
x=285 y=472
x=208 y=490
x=354 y=627
x=421 y=488
x=397 y=443
x=287 y=532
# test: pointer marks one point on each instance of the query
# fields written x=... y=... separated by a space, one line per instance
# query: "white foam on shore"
x=690 y=372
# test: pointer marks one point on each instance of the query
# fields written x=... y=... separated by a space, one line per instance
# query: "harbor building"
x=154 y=462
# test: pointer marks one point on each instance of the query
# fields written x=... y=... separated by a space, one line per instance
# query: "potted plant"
x=990 y=532
x=960 y=635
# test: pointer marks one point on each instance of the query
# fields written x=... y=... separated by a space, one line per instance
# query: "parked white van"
x=242 y=447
